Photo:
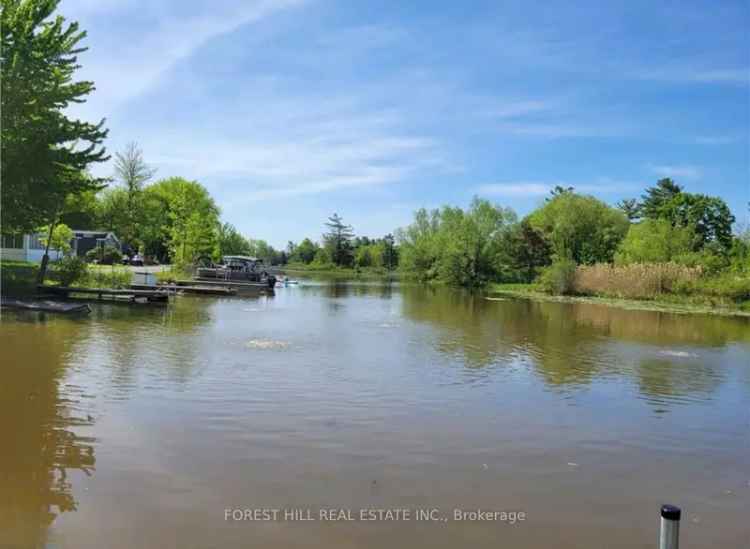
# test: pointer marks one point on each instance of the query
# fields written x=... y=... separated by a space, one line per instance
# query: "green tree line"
x=47 y=156
x=340 y=248
x=172 y=220
x=487 y=242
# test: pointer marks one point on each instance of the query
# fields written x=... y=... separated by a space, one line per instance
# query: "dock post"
x=669 y=534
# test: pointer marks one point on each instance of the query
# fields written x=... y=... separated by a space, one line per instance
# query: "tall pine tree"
x=338 y=240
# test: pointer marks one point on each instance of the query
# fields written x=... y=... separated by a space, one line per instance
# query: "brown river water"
x=174 y=427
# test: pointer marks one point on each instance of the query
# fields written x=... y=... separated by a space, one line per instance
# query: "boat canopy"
x=241 y=259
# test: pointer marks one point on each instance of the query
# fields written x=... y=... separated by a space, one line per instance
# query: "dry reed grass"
x=637 y=280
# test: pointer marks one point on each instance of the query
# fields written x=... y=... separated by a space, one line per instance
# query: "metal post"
x=669 y=535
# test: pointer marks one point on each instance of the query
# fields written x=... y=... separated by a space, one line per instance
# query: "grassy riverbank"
x=667 y=303
x=19 y=278
x=173 y=274
x=106 y=276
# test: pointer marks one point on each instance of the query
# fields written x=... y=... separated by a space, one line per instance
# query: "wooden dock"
x=228 y=283
x=129 y=295
x=44 y=305
x=199 y=290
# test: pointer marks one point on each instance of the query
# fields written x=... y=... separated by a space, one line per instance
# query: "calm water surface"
x=139 y=426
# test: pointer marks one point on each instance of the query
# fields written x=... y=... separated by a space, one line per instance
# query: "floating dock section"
x=44 y=306
x=259 y=286
x=127 y=295
x=199 y=290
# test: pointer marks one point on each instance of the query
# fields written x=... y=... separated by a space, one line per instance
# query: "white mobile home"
x=29 y=247
x=24 y=247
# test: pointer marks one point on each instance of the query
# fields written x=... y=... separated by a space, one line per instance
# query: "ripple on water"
x=678 y=354
x=272 y=344
x=388 y=325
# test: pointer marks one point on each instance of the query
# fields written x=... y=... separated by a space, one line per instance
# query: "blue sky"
x=290 y=110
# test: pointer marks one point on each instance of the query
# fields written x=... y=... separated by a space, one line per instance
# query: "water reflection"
x=659 y=328
x=43 y=415
x=443 y=397
x=667 y=381
x=40 y=426
x=335 y=289
x=573 y=344
x=167 y=341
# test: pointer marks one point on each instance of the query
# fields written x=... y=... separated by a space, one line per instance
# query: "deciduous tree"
x=45 y=152
x=305 y=251
x=231 y=242
x=133 y=172
x=580 y=227
x=654 y=241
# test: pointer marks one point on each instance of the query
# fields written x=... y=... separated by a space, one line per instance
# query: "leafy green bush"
x=323 y=259
x=580 y=227
x=654 y=241
x=69 y=269
x=726 y=287
x=739 y=254
x=109 y=277
x=455 y=246
x=174 y=274
x=559 y=277
x=60 y=239
x=107 y=255
x=710 y=263
x=17 y=277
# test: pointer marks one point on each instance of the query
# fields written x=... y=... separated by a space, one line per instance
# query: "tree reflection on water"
x=40 y=443
x=570 y=344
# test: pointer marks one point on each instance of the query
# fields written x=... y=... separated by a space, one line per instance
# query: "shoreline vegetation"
x=373 y=273
x=573 y=248
x=672 y=250
x=666 y=303
x=668 y=246
x=18 y=278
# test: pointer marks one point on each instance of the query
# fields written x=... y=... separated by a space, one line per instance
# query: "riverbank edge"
x=19 y=278
x=373 y=274
x=667 y=304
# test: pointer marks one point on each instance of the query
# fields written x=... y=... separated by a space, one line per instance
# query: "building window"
x=13 y=241
x=35 y=242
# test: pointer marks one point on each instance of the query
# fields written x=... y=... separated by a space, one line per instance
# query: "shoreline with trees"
x=672 y=251
x=671 y=246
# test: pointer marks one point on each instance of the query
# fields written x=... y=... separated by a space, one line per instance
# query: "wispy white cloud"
x=714 y=139
x=681 y=171
x=541 y=129
x=695 y=75
x=363 y=37
x=265 y=137
x=127 y=58
x=515 y=189
x=513 y=109
x=555 y=117
x=267 y=100
x=602 y=185
x=337 y=151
